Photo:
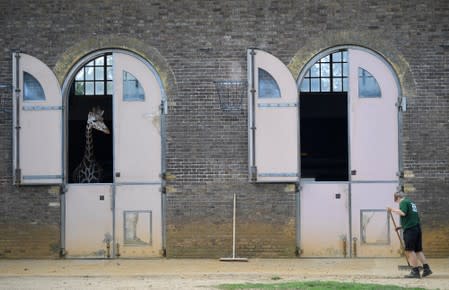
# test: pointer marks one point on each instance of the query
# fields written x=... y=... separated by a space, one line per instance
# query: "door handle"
x=117 y=174
x=353 y=172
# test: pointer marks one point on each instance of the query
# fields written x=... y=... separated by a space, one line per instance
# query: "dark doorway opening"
x=324 y=136
x=79 y=107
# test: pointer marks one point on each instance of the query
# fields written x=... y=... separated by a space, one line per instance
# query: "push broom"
x=396 y=229
x=233 y=258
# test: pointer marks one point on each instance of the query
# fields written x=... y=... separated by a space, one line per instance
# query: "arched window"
x=32 y=89
x=95 y=78
x=329 y=74
x=268 y=87
x=368 y=86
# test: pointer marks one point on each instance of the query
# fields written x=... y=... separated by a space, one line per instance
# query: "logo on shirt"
x=414 y=208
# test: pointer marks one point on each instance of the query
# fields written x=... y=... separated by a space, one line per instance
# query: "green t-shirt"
x=411 y=217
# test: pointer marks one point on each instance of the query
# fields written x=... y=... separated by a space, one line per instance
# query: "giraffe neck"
x=89 y=150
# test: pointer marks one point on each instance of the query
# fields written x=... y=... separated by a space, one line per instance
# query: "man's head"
x=398 y=196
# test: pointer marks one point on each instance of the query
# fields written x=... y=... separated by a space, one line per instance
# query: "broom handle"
x=399 y=237
x=233 y=229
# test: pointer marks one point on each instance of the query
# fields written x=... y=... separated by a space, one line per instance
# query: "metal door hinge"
x=402 y=104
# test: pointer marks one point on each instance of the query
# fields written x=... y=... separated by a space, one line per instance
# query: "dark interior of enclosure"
x=79 y=107
x=324 y=136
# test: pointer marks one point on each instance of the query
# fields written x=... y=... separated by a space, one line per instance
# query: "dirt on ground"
x=207 y=273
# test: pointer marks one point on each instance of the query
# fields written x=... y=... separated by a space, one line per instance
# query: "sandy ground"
x=206 y=274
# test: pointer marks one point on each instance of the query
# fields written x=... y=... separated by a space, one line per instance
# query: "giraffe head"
x=95 y=120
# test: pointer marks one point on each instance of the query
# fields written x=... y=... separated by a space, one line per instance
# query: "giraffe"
x=89 y=170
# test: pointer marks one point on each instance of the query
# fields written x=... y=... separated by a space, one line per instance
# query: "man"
x=410 y=223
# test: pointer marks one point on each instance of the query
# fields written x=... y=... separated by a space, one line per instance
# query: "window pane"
x=305 y=85
x=368 y=86
x=345 y=56
x=315 y=85
x=89 y=73
x=325 y=59
x=109 y=60
x=109 y=88
x=345 y=84
x=337 y=86
x=325 y=85
x=99 y=73
x=336 y=69
x=79 y=88
x=89 y=88
x=99 y=88
x=315 y=70
x=336 y=57
x=268 y=87
x=109 y=73
x=99 y=61
x=345 y=70
x=32 y=89
x=80 y=75
x=90 y=63
x=325 y=70
x=132 y=90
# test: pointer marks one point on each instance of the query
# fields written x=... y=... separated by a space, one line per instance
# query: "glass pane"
x=99 y=88
x=325 y=59
x=32 y=89
x=368 y=86
x=89 y=88
x=307 y=74
x=79 y=88
x=89 y=73
x=315 y=85
x=305 y=85
x=132 y=90
x=325 y=70
x=99 y=61
x=337 y=85
x=345 y=84
x=99 y=73
x=80 y=75
x=345 y=56
x=109 y=60
x=268 y=87
x=109 y=88
x=336 y=69
x=345 y=69
x=109 y=73
x=336 y=57
x=90 y=63
x=315 y=70
x=325 y=85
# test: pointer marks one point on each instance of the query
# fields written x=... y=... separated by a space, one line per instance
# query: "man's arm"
x=396 y=211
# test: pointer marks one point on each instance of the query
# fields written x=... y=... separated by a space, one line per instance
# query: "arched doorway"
x=349 y=154
x=119 y=212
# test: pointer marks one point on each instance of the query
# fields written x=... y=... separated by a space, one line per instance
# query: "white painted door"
x=324 y=228
x=137 y=156
x=37 y=118
x=88 y=221
x=374 y=153
x=373 y=118
x=123 y=219
x=273 y=119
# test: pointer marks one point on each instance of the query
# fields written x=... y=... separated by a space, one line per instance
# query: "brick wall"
x=201 y=41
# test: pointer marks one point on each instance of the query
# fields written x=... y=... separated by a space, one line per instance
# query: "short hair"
x=398 y=195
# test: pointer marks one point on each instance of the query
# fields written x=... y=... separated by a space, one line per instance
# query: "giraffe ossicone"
x=89 y=170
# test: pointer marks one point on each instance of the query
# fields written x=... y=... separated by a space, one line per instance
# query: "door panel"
x=273 y=119
x=138 y=220
x=375 y=234
x=38 y=113
x=373 y=121
x=137 y=137
x=88 y=216
x=137 y=156
x=324 y=219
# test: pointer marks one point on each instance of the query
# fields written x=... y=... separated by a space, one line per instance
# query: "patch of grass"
x=313 y=285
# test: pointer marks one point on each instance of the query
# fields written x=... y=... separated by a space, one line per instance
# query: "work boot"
x=414 y=273
x=426 y=272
